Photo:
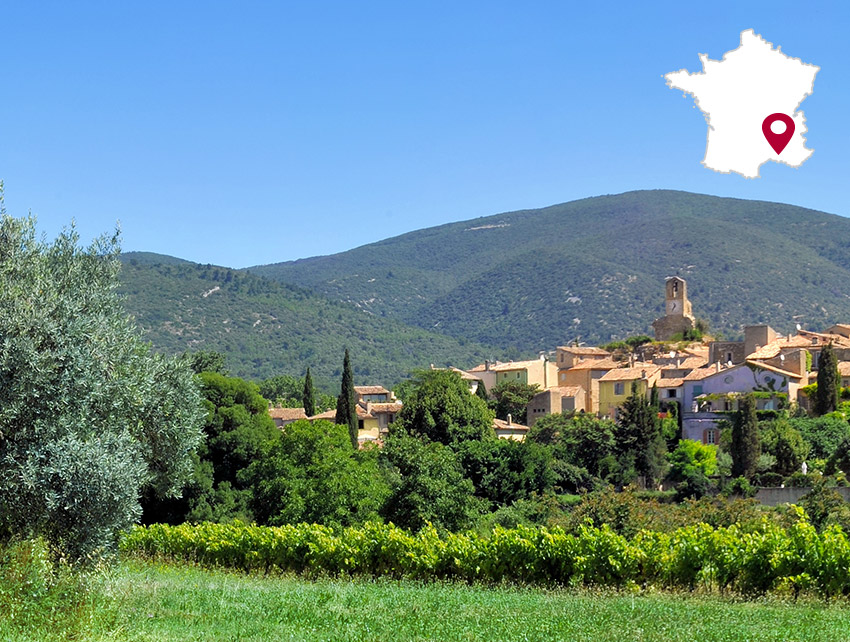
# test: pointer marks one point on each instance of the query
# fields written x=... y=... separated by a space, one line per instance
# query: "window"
x=728 y=357
x=619 y=388
x=671 y=393
x=710 y=436
x=697 y=390
x=517 y=375
x=563 y=376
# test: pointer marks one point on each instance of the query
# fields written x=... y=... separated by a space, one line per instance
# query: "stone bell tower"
x=679 y=318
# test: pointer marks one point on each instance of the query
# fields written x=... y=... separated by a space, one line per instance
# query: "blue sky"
x=255 y=132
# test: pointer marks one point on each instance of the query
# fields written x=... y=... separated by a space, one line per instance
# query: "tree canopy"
x=440 y=408
x=90 y=417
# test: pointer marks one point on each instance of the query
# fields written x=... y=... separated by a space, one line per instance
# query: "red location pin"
x=778 y=141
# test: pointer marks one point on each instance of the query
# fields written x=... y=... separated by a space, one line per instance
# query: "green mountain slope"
x=267 y=328
x=594 y=268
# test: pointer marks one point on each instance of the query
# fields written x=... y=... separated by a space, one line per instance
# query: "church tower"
x=679 y=318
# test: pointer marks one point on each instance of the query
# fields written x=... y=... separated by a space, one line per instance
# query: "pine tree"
x=346 y=403
x=826 y=400
x=745 y=439
x=308 y=395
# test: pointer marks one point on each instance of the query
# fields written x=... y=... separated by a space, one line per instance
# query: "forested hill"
x=266 y=328
x=595 y=268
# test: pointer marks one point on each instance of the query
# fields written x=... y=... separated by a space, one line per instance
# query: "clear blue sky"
x=255 y=132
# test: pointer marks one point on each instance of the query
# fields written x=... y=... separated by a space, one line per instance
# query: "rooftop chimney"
x=717 y=366
x=509 y=419
x=487 y=365
x=643 y=374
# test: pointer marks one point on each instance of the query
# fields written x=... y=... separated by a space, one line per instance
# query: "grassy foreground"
x=146 y=601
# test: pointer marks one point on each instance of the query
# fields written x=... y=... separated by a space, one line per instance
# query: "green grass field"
x=146 y=601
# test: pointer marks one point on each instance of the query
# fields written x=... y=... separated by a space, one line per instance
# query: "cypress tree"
x=481 y=391
x=826 y=400
x=309 y=397
x=346 y=403
x=653 y=399
x=639 y=437
x=745 y=439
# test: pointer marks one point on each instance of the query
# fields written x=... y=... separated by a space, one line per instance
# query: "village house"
x=540 y=372
x=560 y=399
x=376 y=409
x=615 y=386
x=285 y=416
x=508 y=429
x=586 y=374
x=569 y=356
x=710 y=393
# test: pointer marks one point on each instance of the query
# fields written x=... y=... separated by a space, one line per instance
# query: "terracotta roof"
x=371 y=390
x=287 y=414
x=775 y=347
x=514 y=365
x=327 y=414
x=564 y=391
x=464 y=374
x=691 y=363
x=583 y=351
x=596 y=364
x=385 y=407
x=699 y=351
x=670 y=383
x=500 y=424
x=764 y=366
x=630 y=374
x=568 y=391
x=844 y=368
x=701 y=373
x=824 y=338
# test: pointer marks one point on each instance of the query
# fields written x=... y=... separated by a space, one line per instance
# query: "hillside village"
x=704 y=379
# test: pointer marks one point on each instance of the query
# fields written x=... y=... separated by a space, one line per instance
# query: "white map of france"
x=737 y=93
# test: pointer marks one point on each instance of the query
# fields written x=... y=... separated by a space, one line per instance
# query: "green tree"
x=90 y=418
x=829 y=381
x=511 y=398
x=505 y=471
x=346 y=404
x=440 y=408
x=309 y=396
x=639 y=436
x=206 y=361
x=428 y=486
x=481 y=391
x=691 y=464
x=284 y=390
x=237 y=431
x=653 y=398
x=311 y=474
x=745 y=448
x=780 y=439
x=583 y=449
x=823 y=434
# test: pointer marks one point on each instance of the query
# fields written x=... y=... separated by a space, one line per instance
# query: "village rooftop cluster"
x=703 y=379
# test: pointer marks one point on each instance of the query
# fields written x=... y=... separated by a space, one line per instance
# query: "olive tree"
x=90 y=417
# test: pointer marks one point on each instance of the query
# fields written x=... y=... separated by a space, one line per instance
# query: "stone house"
x=587 y=374
x=553 y=400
